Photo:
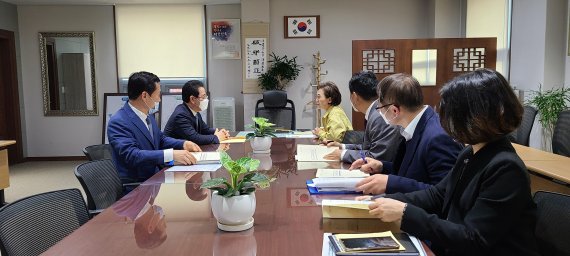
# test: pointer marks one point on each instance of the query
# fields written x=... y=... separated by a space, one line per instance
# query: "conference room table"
x=288 y=220
x=547 y=171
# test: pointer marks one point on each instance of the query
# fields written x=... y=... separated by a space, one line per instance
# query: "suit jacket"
x=182 y=124
x=424 y=160
x=135 y=153
x=381 y=140
x=482 y=207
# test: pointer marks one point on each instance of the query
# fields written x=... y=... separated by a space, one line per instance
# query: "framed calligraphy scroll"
x=255 y=44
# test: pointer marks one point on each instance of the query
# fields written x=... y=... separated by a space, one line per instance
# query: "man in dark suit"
x=186 y=121
x=139 y=147
x=426 y=152
x=380 y=139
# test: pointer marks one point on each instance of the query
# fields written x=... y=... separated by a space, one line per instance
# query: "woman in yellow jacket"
x=335 y=123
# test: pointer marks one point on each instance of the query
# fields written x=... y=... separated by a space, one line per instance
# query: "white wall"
x=224 y=76
x=538 y=50
x=341 y=22
x=64 y=136
x=9 y=21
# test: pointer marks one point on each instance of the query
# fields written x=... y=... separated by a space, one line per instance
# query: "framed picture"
x=225 y=38
x=113 y=102
x=302 y=26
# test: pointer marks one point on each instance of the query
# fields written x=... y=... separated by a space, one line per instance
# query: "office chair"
x=276 y=110
x=98 y=152
x=32 y=225
x=101 y=183
x=561 y=134
x=353 y=137
x=552 y=226
x=522 y=134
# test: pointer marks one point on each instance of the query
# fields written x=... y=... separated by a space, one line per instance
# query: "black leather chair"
x=98 y=152
x=277 y=108
x=32 y=225
x=101 y=183
x=552 y=225
x=561 y=134
x=522 y=134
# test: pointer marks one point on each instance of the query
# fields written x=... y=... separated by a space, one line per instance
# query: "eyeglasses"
x=386 y=105
x=203 y=97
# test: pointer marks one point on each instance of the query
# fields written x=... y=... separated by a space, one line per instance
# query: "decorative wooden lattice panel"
x=468 y=59
x=379 y=61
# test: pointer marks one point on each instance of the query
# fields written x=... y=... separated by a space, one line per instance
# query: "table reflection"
x=235 y=243
x=149 y=219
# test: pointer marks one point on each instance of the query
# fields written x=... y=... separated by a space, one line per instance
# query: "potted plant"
x=260 y=138
x=281 y=71
x=549 y=104
x=233 y=201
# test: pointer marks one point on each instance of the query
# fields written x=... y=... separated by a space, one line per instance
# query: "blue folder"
x=315 y=191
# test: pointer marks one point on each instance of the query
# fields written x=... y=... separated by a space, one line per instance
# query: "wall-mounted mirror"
x=68 y=73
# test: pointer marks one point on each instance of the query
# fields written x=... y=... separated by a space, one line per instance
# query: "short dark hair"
x=191 y=88
x=364 y=84
x=479 y=107
x=401 y=90
x=140 y=82
x=331 y=91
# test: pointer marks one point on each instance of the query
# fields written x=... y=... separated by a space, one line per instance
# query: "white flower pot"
x=265 y=161
x=261 y=145
x=233 y=213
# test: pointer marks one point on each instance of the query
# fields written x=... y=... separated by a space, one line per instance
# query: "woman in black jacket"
x=484 y=205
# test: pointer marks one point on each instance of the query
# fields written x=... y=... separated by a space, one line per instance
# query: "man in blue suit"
x=426 y=153
x=139 y=147
x=186 y=121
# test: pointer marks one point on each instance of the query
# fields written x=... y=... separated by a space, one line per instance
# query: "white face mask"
x=353 y=107
x=153 y=109
x=383 y=115
x=204 y=104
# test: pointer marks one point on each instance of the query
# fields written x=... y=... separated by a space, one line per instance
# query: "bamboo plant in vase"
x=233 y=200
x=261 y=136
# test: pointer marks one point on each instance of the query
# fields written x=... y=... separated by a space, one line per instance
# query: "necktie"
x=149 y=126
x=198 y=118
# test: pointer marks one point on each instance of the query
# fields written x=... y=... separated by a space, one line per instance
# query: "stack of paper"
x=207 y=157
x=333 y=185
x=311 y=153
x=340 y=173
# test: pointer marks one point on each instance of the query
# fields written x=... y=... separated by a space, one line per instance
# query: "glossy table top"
x=546 y=163
x=175 y=218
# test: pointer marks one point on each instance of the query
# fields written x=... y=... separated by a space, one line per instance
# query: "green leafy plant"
x=244 y=177
x=261 y=128
x=281 y=71
x=549 y=104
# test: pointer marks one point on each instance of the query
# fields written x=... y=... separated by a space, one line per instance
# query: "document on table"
x=234 y=140
x=349 y=183
x=340 y=173
x=314 y=153
x=207 y=157
x=195 y=168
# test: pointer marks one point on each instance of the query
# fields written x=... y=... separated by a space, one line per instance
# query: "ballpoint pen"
x=363 y=157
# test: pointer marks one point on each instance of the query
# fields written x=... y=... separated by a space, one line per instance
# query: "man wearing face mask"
x=139 y=147
x=380 y=139
x=186 y=121
x=426 y=153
